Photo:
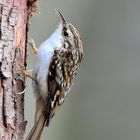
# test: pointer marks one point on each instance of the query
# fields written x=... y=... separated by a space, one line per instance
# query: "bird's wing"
x=59 y=81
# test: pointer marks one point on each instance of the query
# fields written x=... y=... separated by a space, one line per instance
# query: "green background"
x=104 y=103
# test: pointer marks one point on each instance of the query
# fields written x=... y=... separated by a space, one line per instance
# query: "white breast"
x=43 y=59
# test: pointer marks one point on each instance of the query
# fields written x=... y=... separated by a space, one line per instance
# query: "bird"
x=55 y=68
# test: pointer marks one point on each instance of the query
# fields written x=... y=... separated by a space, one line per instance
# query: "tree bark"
x=13 y=34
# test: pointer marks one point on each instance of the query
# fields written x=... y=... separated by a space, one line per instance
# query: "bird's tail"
x=37 y=129
x=42 y=118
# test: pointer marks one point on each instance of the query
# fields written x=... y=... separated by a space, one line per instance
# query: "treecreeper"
x=55 y=69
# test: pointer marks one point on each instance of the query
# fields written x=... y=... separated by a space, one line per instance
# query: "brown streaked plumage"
x=55 y=70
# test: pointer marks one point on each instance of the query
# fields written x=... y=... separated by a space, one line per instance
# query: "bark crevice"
x=13 y=24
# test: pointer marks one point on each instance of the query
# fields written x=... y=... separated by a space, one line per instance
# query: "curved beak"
x=60 y=14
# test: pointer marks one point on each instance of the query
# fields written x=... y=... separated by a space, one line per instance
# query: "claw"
x=31 y=43
x=25 y=73
x=22 y=92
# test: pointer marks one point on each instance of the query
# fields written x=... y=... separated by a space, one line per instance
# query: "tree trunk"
x=13 y=32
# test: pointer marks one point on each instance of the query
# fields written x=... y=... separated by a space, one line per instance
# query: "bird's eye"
x=65 y=32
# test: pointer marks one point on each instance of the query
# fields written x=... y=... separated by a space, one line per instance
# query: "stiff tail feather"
x=37 y=129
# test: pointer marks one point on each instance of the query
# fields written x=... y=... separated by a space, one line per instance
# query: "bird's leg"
x=22 y=69
x=31 y=43
x=25 y=73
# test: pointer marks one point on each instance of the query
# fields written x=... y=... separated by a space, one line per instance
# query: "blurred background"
x=104 y=103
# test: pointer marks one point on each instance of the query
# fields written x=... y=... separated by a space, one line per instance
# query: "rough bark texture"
x=13 y=20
